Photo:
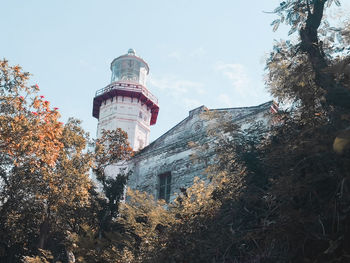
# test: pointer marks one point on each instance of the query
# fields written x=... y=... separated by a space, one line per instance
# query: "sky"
x=200 y=52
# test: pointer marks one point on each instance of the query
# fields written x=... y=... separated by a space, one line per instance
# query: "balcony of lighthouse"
x=131 y=90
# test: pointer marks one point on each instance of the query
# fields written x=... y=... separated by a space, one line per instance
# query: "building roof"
x=237 y=114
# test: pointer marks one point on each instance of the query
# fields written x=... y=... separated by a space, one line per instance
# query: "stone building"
x=169 y=163
x=172 y=161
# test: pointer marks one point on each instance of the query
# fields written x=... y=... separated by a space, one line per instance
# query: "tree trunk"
x=44 y=230
x=336 y=95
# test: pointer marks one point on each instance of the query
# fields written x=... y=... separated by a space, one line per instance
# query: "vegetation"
x=43 y=170
x=277 y=195
x=46 y=195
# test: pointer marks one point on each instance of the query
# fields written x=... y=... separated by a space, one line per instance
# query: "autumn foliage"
x=30 y=131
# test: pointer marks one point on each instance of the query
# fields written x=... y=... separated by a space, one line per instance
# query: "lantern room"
x=129 y=68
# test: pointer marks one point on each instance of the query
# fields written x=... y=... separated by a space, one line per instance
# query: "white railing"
x=127 y=87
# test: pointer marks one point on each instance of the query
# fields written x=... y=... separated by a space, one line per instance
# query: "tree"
x=112 y=149
x=308 y=18
x=103 y=241
x=44 y=171
x=306 y=177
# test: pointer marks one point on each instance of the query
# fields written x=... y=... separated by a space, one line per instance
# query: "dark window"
x=164 y=186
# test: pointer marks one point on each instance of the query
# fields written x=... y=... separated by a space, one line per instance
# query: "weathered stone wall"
x=174 y=152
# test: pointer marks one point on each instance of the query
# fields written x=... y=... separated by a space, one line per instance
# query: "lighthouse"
x=126 y=102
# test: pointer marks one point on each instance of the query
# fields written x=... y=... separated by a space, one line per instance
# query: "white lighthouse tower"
x=126 y=103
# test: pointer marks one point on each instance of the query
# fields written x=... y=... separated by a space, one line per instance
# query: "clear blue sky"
x=200 y=52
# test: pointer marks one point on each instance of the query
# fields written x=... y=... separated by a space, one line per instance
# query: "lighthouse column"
x=126 y=103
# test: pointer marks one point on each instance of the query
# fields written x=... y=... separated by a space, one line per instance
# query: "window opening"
x=164 y=186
